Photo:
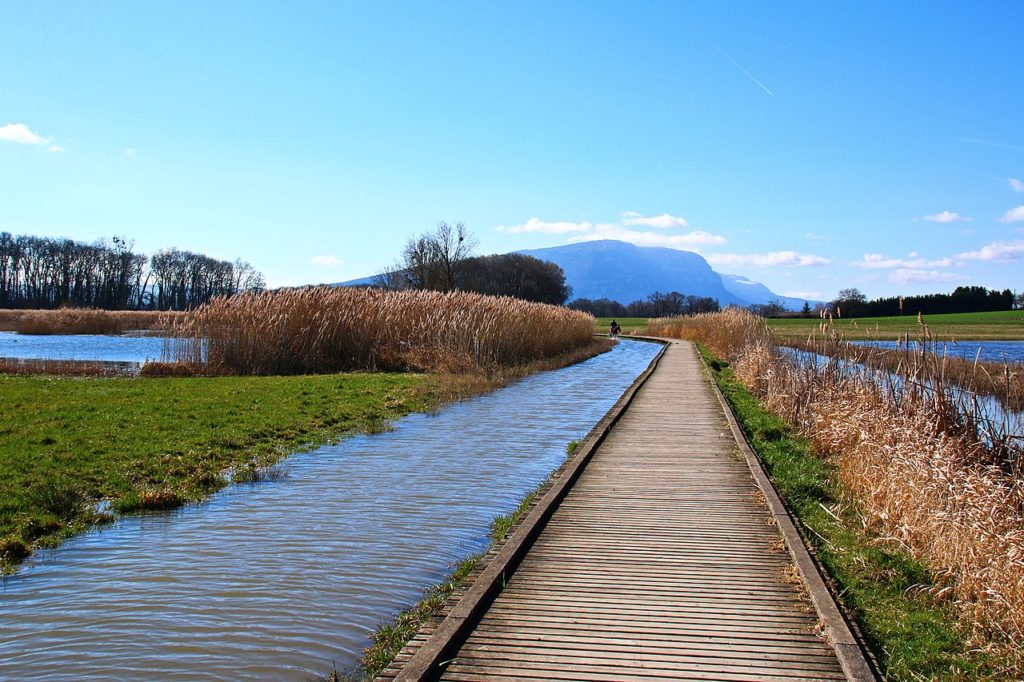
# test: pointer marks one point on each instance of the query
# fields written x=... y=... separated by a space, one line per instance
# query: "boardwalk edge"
x=849 y=650
x=430 y=658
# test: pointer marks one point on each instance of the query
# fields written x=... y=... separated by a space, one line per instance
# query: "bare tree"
x=434 y=260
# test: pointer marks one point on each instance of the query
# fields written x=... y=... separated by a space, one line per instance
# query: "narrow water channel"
x=280 y=580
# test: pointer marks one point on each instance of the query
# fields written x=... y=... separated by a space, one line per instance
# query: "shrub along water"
x=924 y=470
x=322 y=329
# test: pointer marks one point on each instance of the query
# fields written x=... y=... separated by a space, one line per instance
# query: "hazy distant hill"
x=755 y=292
x=625 y=273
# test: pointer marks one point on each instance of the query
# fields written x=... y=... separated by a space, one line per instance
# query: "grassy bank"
x=914 y=634
x=1004 y=325
x=140 y=443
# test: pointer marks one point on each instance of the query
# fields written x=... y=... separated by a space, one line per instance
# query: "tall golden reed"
x=912 y=458
x=329 y=329
x=84 y=321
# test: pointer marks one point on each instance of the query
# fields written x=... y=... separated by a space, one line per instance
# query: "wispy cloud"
x=947 y=217
x=988 y=143
x=130 y=151
x=536 y=225
x=689 y=241
x=877 y=261
x=998 y=252
x=1015 y=184
x=1014 y=215
x=55 y=148
x=19 y=133
x=331 y=261
x=767 y=260
x=663 y=221
x=916 y=276
x=745 y=72
x=816 y=237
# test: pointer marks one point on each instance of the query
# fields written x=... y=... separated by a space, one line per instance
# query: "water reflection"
x=277 y=580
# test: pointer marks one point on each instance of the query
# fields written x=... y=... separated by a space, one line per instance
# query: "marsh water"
x=992 y=351
x=283 y=579
x=87 y=347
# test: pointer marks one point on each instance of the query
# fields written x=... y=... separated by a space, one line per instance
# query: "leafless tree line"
x=657 y=304
x=43 y=272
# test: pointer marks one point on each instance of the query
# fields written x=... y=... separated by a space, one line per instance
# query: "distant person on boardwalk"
x=614 y=329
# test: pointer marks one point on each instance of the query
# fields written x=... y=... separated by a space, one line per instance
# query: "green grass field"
x=67 y=443
x=630 y=325
x=991 y=326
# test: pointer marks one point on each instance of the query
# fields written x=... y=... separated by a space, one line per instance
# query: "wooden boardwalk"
x=662 y=561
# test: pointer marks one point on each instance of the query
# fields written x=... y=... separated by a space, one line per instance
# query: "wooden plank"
x=658 y=562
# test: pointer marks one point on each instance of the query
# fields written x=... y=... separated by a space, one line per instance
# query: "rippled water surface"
x=80 y=347
x=994 y=351
x=276 y=580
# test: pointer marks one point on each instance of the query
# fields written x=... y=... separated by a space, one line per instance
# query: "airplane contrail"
x=987 y=143
x=745 y=72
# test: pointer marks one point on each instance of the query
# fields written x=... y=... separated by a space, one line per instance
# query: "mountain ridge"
x=625 y=272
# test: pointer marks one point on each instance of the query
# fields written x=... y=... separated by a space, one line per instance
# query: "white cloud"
x=766 y=260
x=537 y=225
x=20 y=133
x=130 y=151
x=1014 y=215
x=947 y=217
x=917 y=276
x=687 y=242
x=55 y=148
x=663 y=221
x=332 y=261
x=809 y=295
x=878 y=261
x=816 y=237
x=1015 y=184
x=999 y=252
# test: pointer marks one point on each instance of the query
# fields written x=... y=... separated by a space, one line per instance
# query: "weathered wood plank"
x=660 y=562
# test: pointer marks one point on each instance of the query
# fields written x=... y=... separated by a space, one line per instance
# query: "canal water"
x=281 y=580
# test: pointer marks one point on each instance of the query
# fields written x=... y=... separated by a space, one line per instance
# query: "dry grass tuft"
x=919 y=457
x=68 y=368
x=323 y=329
x=85 y=321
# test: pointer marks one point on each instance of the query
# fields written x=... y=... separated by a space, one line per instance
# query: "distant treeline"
x=963 y=300
x=655 y=305
x=43 y=272
x=441 y=261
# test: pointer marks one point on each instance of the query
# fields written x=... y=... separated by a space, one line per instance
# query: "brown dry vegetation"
x=1004 y=381
x=85 y=321
x=925 y=471
x=321 y=329
x=68 y=368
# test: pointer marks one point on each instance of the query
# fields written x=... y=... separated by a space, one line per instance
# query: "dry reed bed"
x=85 y=321
x=917 y=469
x=72 y=368
x=1003 y=381
x=323 y=329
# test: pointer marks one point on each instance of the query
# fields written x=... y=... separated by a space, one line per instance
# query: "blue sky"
x=810 y=146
